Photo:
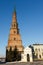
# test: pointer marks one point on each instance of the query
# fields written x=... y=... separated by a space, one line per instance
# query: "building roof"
x=38 y=44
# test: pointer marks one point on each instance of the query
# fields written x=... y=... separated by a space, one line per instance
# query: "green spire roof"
x=15 y=9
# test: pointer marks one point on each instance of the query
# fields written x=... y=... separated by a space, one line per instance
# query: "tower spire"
x=14 y=18
x=15 y=9
x=14 y=36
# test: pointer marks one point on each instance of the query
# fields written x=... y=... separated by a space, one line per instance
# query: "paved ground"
x=24 y=63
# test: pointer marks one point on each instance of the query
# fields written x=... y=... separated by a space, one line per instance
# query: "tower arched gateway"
x=14 y=36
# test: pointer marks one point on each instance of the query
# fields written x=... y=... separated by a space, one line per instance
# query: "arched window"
x=14 y=38
x=14 y=25
x=14 y=31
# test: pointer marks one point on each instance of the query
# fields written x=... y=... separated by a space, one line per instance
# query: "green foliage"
x=9 y=55
x=13 y=55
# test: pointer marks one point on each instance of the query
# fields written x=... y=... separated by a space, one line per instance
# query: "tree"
x=15 y=54
x=9 y=55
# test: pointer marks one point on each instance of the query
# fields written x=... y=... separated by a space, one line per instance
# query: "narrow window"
x=14 y=38
x=40 y=56
x=14 y=31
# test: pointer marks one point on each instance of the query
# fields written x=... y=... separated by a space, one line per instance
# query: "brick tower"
x=14 y=36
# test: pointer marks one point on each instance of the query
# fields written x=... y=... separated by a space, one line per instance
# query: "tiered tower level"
x=14 y=36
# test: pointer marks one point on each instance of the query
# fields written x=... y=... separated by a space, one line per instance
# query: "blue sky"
x=29 y=18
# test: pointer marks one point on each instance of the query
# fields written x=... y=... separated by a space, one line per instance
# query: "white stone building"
x=38 y=49
x=27 y=55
